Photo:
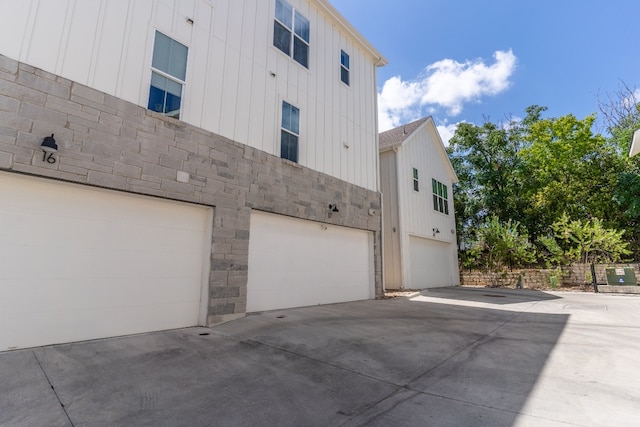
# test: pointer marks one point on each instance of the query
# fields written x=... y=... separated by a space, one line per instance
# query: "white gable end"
x=420 y=248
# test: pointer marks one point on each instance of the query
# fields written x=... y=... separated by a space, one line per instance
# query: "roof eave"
x=428 y=120
x=341 y=20
x=454 y=175
x=390 y=147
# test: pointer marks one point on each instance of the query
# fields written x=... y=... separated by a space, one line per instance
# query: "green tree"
x=538 y=169
x=584 y=242
x=627 y=199
x=485 y=159
x=620 y=115
x=499 y=245
x=569 y=170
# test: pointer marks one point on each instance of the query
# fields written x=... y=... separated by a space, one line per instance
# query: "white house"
x=635 y=144
x=419 y=238
x=202 y=159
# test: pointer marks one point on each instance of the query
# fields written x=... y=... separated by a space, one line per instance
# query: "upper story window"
x=344 y=67
x=290 y=132
x=416 y=183
x=291 y=32
x=440 y=197
x=168 y=73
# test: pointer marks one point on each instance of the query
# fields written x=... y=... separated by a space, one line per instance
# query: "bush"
x=499 y=245
x=583 y=242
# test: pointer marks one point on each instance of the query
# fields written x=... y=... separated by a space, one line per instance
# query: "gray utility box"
x=621 y=276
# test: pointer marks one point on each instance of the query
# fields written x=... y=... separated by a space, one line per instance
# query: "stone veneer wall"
x=571 y=275
x=578 y=274
x=107 y=142
x=531 y=278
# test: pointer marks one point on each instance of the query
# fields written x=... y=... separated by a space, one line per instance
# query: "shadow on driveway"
x=388 y=362
x=489 y=295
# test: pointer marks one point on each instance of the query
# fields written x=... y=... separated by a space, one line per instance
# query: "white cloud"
x=511 y=123
x=447 y=131
x=445 y=84
x=630 y=101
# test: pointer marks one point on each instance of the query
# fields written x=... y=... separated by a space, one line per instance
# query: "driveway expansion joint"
x=52 y=387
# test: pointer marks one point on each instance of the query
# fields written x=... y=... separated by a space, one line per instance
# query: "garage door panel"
x=431 y=263
x=109 y=321
x=92 y=263
x=96 y=294
x=295 y=263
x=84 y=254
x=72 y=233
x=97 y=206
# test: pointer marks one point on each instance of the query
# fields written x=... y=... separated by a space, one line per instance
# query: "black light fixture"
x=332 y=208
x=435 y=231
x=49 y=146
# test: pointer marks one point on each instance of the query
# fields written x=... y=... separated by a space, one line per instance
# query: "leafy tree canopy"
x=584 y=241
x=540 y=172
x=568 y=169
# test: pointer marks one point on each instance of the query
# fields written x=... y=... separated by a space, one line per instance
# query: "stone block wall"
x=578 y=274
x=107 y=142
x=531 y=278
x=571 y=276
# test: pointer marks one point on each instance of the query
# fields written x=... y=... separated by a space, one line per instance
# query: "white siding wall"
x=107 y=45
x=417 y=216
x=390 y=221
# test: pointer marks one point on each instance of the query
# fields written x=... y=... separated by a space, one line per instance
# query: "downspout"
x=400 y=222
x=377 y=166
x=377 y=131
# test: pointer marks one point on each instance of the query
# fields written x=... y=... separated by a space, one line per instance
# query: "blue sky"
x=464 y=60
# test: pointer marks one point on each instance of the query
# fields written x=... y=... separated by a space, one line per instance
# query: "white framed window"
x=291 y=32
x=440 y=197
x=344 y=67
x=416 y=181
x=168 y=74
x=289 y=132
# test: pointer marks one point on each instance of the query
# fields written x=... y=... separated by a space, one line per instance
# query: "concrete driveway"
x=448 y=357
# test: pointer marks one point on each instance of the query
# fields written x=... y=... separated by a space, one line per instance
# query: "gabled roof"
x=395 y=137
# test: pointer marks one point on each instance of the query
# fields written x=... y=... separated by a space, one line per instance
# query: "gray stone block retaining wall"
x=107 y=142
x=578 y=274
x=570 y=275
x=530 y=278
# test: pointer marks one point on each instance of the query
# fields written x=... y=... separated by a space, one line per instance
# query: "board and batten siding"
x=417 y=216
x=236 y=79
x=390 y=221
x=416 y=208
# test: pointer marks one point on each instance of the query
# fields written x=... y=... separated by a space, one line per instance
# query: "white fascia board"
x=635 y=144
x=337 y=17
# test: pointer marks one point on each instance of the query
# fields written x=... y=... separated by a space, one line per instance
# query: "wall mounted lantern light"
x=49 y=147
x=332 y=208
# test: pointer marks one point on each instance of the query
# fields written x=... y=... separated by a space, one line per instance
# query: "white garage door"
x=433 y=263
x=295 y=263
x=81 y=263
